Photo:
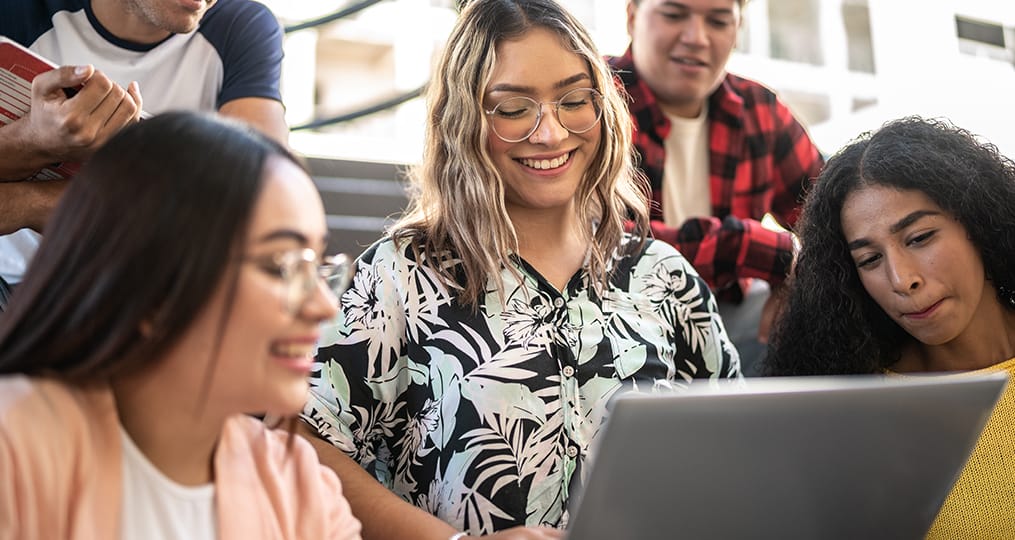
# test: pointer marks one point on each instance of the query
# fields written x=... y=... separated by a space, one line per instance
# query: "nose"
x=549 y=131
x=903 y=275
x=321 y=304
x=693 y=32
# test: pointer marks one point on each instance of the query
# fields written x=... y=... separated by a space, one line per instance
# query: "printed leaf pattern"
x=486 y=418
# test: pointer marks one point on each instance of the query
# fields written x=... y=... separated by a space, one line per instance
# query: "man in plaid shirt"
x=720 y=151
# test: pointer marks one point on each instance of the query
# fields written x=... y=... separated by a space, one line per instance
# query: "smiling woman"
x=905 y=267
x=179 y=286
x=471 y=365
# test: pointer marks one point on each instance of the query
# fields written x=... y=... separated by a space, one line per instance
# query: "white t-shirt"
x=686 y=190
x=157 y=508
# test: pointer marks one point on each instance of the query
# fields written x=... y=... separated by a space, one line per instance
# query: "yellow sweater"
x=981 y=506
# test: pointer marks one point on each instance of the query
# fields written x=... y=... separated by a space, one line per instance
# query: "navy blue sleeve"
x=248 y=39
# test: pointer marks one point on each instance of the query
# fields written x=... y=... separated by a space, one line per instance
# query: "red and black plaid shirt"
x=760 y=160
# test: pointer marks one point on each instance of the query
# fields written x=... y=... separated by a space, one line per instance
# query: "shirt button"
x=559 y=302
x=572 y=451
x=568 y=371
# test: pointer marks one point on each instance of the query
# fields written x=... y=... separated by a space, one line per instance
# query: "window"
x=793 y=25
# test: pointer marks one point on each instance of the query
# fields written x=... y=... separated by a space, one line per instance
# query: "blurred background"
x=353 y=73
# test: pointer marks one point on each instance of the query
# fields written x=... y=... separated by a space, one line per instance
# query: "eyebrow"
x=716 y=11
x=899 y=226
x=505 y=87
x=283 y=234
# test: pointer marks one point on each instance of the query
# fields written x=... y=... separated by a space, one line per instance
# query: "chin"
x=288 y=402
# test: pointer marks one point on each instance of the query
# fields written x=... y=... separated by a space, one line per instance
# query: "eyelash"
x=915 y=241
x=717 y=23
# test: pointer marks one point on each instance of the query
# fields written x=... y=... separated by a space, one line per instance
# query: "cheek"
x=876 y=288
x=495 y=146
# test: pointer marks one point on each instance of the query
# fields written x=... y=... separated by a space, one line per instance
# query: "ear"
x=146 y=328
x=632 y=10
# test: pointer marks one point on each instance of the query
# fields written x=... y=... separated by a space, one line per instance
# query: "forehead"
x=696 y=5
x=288 y=200
x=538 y=59
x=873 y=210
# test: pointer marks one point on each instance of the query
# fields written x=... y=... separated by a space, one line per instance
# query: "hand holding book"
x=50 y=125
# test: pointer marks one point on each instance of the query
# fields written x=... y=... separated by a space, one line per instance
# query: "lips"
x=689 y=61
x=924 y=313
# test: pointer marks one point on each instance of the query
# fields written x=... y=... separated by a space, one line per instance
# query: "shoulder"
x=304 y=495
x=654 y=260
x=238 y=26
x=228 y=13
x=284 y=461
x=25 y=21
x=59 y=450
x=33 y=400
x=752 y=92
x=401 y=251
x=657 y=252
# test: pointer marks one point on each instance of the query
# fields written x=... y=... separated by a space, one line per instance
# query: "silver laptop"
x=803 y=457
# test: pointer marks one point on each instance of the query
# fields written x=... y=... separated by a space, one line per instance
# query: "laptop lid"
x=804 y=457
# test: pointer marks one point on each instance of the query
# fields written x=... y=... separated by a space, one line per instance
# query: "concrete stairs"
x=360 y=199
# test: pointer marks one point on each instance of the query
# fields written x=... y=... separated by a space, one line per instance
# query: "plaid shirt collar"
x=724 y=105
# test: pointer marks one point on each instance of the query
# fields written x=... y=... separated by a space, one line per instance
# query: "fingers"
x=51 y=83
x=134 y=90
x=99 y=109
x=117 y=109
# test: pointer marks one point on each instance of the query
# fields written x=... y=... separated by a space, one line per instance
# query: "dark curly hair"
x=831 y=325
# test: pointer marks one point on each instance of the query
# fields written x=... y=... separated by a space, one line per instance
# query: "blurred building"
x=844 y=66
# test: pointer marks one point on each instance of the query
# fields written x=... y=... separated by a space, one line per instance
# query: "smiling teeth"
x=293 y=350
x=544 y=164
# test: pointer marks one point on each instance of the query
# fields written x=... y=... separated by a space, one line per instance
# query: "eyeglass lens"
x=303 y=272
x=516 y=119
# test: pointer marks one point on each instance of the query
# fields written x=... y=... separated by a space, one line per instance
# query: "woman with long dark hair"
x=179 y=286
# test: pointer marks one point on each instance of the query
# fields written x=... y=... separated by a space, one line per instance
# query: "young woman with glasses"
x=179 y=286
x=472 y=361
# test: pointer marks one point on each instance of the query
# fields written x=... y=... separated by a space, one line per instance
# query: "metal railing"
x=363 y=111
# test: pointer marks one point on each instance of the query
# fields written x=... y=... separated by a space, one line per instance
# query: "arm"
x=58 y=128
x=382 y=513
x=796 y=162
x=723 y=250
x=28 y=204
x=385 y=515
x=252 y=61
x=267 y=115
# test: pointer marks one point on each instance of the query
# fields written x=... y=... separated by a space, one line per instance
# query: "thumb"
x=62 y=77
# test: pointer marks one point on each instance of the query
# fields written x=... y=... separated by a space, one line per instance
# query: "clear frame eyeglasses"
x=516 y=119
x=301 y=271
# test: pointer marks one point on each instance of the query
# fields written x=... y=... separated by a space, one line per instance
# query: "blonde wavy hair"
x=457 y=212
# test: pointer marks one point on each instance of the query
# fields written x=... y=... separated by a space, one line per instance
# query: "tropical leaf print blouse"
x=485 y=418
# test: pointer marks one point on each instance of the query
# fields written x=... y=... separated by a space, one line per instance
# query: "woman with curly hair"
x=472 y=362
x=905 y=267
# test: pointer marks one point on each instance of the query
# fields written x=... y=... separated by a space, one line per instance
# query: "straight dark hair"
x=142 y=237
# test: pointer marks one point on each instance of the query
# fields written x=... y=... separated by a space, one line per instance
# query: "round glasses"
x=301 y=272
x=516 y=119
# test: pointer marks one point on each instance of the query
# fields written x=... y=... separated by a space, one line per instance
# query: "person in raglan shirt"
x=203 y=55
x=720 y=152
